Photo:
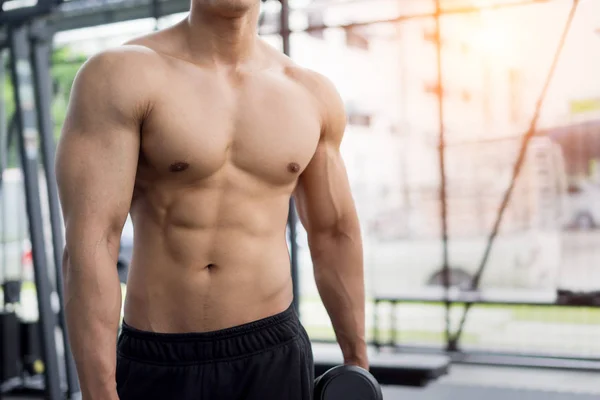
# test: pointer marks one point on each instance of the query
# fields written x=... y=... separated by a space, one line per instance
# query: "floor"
x=467 y=382
x=502 y=383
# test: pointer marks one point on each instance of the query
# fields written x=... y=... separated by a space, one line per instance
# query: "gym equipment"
x=347 y=382
x=416 y=370
x=9 y=346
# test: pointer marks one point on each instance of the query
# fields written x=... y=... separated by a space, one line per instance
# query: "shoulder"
x=124 y=64
x=127 y=77
x=327 y=99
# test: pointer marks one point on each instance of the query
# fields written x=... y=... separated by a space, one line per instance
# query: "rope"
x=517 y=167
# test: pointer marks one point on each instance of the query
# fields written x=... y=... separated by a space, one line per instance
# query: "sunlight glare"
x=494 y=41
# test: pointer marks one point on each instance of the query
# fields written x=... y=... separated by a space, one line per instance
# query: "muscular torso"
x=221 y=152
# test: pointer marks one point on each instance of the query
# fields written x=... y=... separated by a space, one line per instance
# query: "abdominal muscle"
x=210 y=273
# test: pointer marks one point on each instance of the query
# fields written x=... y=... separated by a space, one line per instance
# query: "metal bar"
x=73 y=16
x=442 y=165
x=518 y=164
x=284 y=21
x=43 y=90
x=28 y=136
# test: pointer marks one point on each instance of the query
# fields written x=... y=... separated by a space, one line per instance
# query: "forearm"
x=93 y=305
x=339 y=275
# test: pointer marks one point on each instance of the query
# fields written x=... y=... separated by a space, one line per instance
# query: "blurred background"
x=472 y=148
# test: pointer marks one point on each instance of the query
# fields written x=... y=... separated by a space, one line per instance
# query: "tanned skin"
x=202 y=132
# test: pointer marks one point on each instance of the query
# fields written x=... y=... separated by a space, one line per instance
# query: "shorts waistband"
x=202 y=347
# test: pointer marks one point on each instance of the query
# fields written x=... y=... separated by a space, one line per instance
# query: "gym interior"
x=473 y=152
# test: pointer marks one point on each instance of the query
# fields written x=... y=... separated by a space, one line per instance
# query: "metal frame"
x=40 y=59
x=26 y=118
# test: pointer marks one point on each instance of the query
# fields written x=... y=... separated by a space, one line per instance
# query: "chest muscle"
x=266 y=126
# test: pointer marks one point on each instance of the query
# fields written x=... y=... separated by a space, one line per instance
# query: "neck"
x=225 y=36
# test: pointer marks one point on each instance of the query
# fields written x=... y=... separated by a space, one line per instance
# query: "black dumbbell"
x=347 y=382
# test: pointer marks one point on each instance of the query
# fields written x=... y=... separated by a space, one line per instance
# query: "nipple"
x=179 y=166
x=293 y=167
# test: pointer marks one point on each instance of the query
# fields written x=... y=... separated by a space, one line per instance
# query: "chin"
x=229 y=7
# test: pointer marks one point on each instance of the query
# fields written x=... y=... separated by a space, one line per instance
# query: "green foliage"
x=64 y=67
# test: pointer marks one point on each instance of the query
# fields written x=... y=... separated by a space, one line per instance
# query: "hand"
x=362 y=362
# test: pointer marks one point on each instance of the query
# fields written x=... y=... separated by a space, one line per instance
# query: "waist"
x=203 y=347
x=170 y=299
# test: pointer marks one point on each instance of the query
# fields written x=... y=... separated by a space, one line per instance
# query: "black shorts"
x=269 y=359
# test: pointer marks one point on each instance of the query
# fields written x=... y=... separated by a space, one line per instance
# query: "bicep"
x=96 y=161
x=323 y=195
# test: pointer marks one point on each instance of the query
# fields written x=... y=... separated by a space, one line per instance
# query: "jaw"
x=227 y=8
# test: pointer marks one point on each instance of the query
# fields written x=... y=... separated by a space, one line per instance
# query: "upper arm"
x=323 y=195
x=97 y=154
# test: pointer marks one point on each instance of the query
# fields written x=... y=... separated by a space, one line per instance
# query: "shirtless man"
x=202 y=132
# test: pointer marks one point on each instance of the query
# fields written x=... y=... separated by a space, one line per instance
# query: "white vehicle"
x=15 y=246
x=583 y=206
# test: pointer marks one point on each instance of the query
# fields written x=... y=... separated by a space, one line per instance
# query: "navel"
x=179 y=166
x=293 y=167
